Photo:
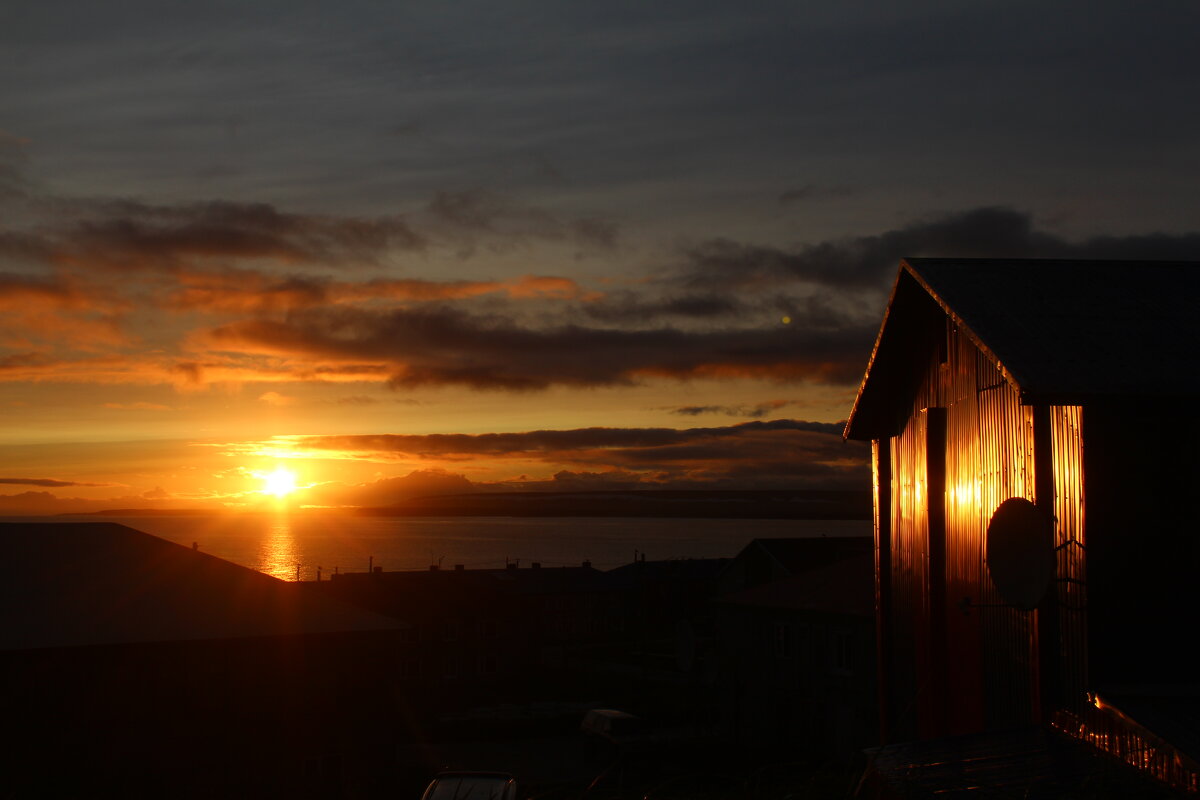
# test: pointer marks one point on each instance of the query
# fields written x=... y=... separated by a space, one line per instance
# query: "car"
x=610 y=724
x=471 y=786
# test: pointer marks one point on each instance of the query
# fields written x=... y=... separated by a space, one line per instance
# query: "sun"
x=280 y=483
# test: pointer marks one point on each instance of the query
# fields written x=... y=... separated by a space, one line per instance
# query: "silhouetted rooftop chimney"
x=459 y=567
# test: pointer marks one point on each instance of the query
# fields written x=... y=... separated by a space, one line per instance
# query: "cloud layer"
x=121 y=291
x=755 y=454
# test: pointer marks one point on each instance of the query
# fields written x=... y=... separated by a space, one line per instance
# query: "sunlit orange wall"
x=1071 y=573
x=991 y=679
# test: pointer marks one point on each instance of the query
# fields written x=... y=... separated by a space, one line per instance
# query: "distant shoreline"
x=764 y=504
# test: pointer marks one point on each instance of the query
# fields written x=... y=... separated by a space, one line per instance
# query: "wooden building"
x=1034 y=445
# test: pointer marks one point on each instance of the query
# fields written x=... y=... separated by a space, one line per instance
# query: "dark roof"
x=535 y=580
x=798 y=555
x=844 y=587
x=1060 y=331
x=672 y=569
x=73 y=584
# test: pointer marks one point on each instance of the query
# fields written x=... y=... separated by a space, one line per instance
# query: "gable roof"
x=76 y=584
x=846 y=586
x=1059 y=331
x=801 y=554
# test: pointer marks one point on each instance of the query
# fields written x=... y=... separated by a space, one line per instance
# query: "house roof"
x=1065 y=332
x=76 y=584
x=673 y=569
x=800 y=554
x=844 y=587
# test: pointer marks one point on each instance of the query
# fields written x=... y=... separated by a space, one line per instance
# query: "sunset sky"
x=401 y=248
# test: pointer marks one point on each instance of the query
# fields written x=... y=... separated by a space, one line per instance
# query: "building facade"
x=1033 y=529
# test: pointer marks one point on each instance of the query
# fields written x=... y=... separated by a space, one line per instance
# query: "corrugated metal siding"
x=1006 y=452
x=910 y=597
x=1070 y=544
x=989 y=458
x=964 y=534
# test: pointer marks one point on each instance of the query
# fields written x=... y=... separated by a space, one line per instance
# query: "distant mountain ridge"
x=728 y=504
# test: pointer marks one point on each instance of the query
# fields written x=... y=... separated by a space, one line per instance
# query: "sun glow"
x=280 y=483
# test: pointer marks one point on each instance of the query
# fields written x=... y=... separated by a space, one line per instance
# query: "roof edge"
x=862 y=386
x=1014 y=381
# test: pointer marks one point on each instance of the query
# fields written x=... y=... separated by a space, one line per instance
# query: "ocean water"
x=295 y=545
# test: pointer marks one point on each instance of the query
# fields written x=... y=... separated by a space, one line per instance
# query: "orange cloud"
x=251 y=291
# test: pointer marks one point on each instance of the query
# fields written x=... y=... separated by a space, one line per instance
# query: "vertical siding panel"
x=909 y=555
x=1006 y=435
x=964 y=547
x=1070 y=544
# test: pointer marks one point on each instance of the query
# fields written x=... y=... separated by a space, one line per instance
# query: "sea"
x=313 y=545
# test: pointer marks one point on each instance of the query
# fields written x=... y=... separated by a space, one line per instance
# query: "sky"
x=390 y=249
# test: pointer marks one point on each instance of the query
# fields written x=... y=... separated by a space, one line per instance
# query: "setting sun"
x=280 y=483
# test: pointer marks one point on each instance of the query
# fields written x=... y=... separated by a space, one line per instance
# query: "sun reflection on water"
x=279 y=555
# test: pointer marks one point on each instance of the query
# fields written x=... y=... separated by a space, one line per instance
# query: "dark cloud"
x=448 y=346
x=822 y=337
x=870 y=261
x=802 y=453
x=91 y=233
x=556 y=441
x=257 y=292
x=24 y=247
x=755 y=412
x=47 y=482
x=628 y=306
x=135 y=235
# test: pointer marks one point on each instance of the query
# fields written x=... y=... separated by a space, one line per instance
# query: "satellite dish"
x=1020 y=552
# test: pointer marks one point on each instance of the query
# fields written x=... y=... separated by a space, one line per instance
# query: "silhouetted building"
x=796 y=646
x=1034 y=447
x=667 y=612
x=136 y=667
x=475 y=627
